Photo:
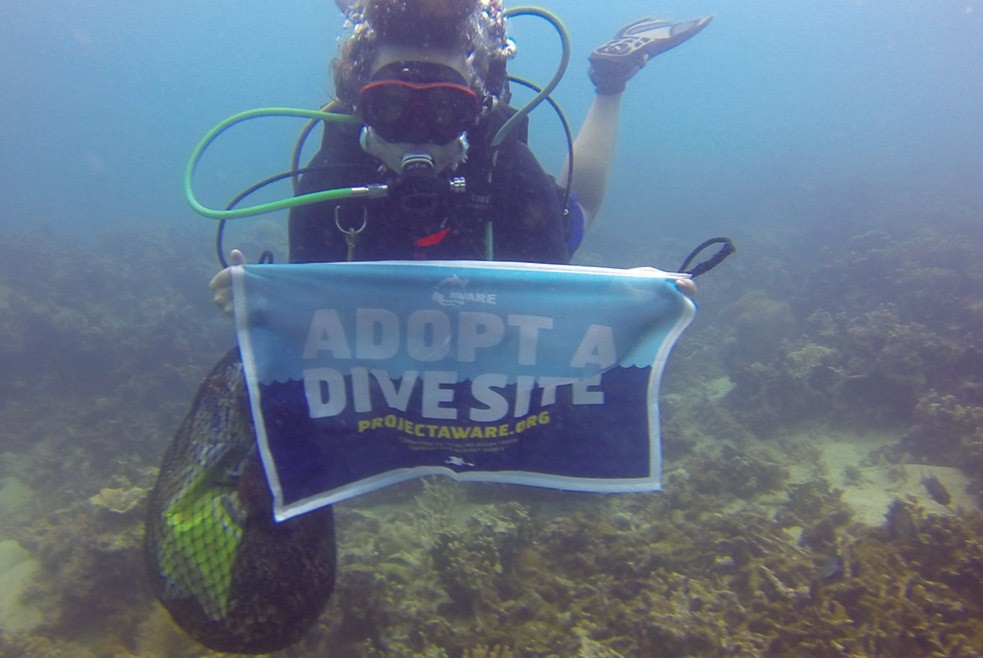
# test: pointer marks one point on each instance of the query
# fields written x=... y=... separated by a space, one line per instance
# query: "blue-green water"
x=775 y=109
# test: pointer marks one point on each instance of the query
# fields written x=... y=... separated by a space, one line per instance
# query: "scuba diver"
x=433 y=135
x=427 y=80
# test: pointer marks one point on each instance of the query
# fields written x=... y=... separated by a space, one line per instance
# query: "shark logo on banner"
x=361 y=375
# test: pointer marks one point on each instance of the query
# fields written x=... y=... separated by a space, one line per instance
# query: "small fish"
x=936 y=490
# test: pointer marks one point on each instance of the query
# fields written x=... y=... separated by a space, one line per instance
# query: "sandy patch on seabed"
x=18 y=568
x=869 y=484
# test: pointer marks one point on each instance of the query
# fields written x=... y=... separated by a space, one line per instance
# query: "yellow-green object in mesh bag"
x=199 y=548
x=230 y=575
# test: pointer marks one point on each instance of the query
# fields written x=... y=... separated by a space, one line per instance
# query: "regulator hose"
x=249 y=211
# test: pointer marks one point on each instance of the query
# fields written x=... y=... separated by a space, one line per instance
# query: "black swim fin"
x=612 y=64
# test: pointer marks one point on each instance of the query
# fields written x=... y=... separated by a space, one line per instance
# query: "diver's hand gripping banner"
x=362 y=375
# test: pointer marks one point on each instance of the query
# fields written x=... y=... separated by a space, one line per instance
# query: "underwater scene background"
x=822 y=417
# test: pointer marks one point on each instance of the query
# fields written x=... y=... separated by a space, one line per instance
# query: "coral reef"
x=945 y=432
x=889 y=335
x=751 y=550
x=104 y=344
x=119 y=500
x=91 y=554
x=476 y=561
x=484 y=651
x=676 y=576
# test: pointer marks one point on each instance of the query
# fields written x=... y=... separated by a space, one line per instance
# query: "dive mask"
x=435 y=112
x=418 y=103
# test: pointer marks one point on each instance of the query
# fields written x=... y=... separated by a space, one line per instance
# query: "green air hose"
x=249 y=211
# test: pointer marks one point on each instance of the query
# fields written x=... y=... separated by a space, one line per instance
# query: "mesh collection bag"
x=230 y=576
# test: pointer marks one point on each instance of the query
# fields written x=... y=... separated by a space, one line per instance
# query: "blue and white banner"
x=362 y=375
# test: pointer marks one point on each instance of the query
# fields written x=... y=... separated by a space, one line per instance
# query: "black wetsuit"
x=522 y=202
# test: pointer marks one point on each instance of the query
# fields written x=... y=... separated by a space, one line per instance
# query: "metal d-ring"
x=351 y=234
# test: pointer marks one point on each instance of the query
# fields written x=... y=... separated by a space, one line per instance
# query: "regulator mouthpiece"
x=418 y=189
x=421 y=170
